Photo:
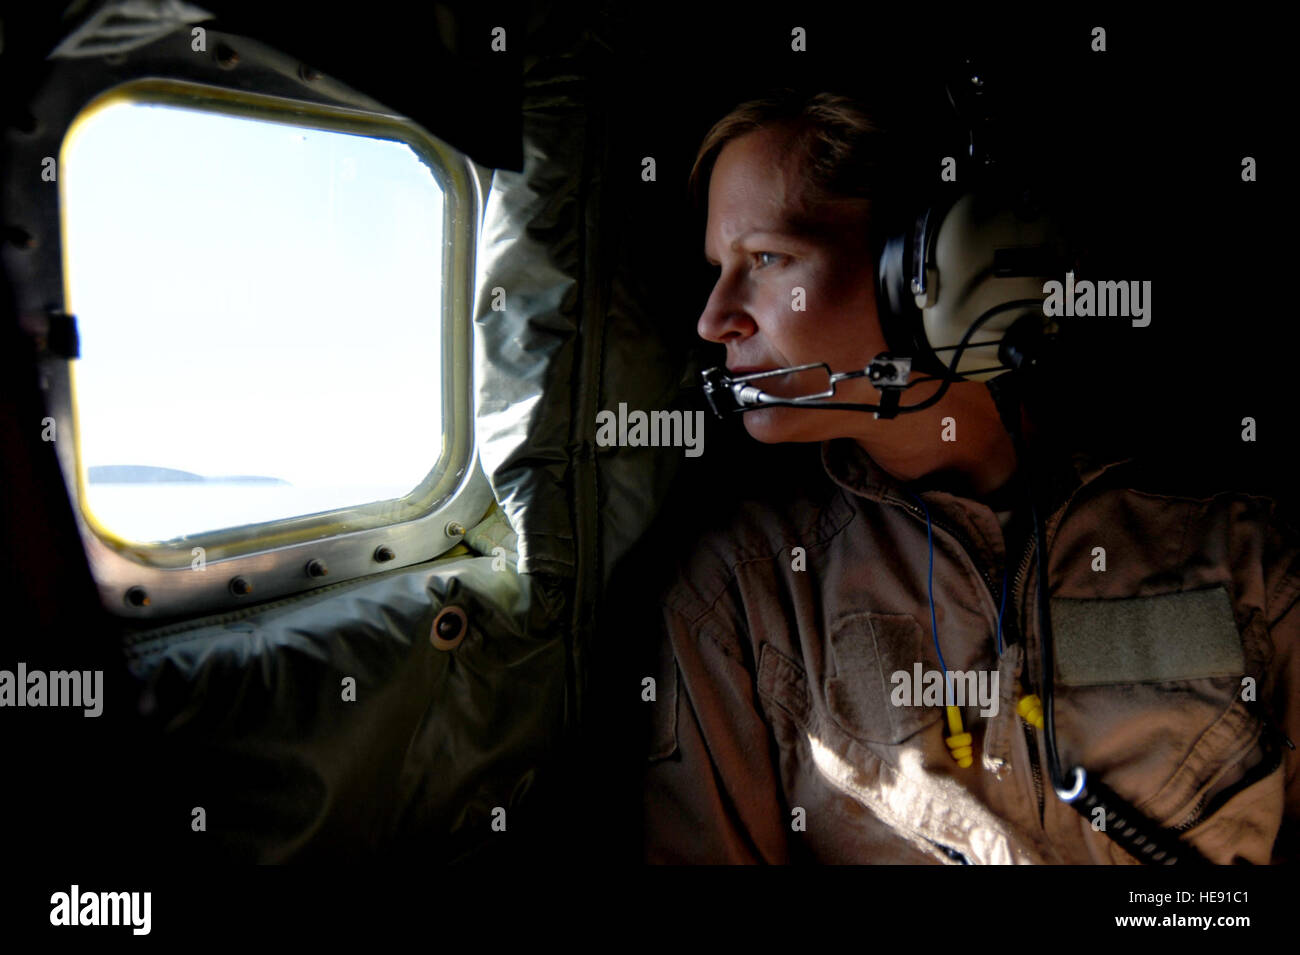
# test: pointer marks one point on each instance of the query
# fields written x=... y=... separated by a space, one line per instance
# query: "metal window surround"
x=273 y=557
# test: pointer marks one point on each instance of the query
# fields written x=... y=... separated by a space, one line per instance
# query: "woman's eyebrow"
x=791 y=231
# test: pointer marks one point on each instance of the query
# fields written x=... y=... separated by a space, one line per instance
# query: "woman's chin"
x=780 y=425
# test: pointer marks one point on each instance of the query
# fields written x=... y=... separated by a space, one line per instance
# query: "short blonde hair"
x=844 y=149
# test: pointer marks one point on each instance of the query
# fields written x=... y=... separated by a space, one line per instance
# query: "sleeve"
x=711 y=791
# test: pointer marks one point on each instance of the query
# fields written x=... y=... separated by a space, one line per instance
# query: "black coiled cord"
x=1143 y=839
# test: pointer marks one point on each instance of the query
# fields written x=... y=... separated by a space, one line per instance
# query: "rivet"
x=226 y=57
x=316 y=568
x=384 y=554
x=137 y=597
x=455 y=529
x=307 y=73
x=449 y=628
x=240 y=587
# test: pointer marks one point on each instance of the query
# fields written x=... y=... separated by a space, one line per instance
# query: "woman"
x=793 y=720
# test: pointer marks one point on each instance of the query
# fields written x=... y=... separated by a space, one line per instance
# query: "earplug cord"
x=934 y=626
x=960 y=743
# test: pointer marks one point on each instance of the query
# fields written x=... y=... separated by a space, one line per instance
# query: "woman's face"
x=771 y=238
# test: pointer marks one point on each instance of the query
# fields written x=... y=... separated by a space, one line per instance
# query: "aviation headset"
x=959 y=293
x=959 y=298
x=959 y=288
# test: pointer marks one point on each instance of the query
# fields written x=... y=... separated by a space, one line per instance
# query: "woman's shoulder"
x=757 y=506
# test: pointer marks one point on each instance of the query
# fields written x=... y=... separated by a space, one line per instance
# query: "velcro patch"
x=1180 y=636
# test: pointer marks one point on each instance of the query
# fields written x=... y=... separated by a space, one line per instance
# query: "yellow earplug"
x=959 y=742
x=1030 y=709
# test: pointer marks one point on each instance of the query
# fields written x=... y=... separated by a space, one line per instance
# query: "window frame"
x=160 y=580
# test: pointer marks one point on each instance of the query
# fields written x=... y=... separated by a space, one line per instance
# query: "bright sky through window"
x=256 y=300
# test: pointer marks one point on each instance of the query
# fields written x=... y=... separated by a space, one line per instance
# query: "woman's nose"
x=724 y=318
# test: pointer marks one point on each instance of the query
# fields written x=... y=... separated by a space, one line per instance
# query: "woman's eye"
x=763 y=259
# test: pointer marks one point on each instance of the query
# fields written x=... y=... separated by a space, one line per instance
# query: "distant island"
x=145 y=474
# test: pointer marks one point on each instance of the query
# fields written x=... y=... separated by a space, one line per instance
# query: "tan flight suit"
x=776 y=737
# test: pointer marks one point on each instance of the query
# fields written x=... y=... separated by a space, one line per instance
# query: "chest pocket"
x=866 y=649
x=1150 y=696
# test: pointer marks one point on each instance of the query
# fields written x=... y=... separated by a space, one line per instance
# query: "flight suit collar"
x=1063 y=473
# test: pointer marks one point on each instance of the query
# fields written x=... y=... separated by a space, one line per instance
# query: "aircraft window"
x=260 y=315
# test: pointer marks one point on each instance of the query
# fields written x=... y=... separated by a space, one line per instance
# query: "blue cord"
x=934 y=624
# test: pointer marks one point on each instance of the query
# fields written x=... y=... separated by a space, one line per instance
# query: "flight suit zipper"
x=1031 y=743
x=1030 y=738
x=1272 y=739
x=1205 y=806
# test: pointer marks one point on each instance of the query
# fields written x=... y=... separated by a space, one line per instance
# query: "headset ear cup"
x=891 y=294
x=900 y=319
